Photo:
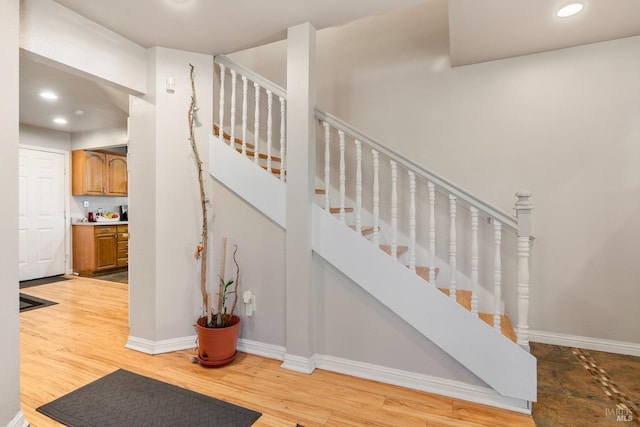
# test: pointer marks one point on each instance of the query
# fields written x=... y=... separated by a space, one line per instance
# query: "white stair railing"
x=490 y=280
x=387 y=205
x=270 y=138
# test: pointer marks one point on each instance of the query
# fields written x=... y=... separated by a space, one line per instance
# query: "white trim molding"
x=270 y=351
x=305 y=365
x=157 y=347
x=422 y=382
x=597 y=344
x=18 y=421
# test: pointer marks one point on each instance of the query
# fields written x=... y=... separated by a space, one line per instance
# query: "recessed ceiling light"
x=79 y=112
x=60 y=120
x=569 y=10
x=47 y=94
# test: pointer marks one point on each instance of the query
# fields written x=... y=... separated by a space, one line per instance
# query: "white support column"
x=394 y=209
x=327 y=163
x=343 y=178
x=497 y=274
x=523 y=212
x=432 y=233
x=221 y=113
x=301 y=94
x=232 y=124
x=452 y=247
x=282 y=137
x=412 y=221
x=244 y=115
x=358 y=187
x=376 y=197
x=474 y=261
x=256 y=123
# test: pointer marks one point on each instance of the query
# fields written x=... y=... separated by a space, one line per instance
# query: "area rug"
x=123 y=398
x=27 y=302
x=42 y=281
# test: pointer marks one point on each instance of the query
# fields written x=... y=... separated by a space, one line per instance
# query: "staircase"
x=380 y=218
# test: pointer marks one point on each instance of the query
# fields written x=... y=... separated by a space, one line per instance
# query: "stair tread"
x=400 y=249
x=216 y=132
x=337 y=210
x=505 y=325
x=251 y=153
x=275 y=171
x=364 y=229
x=320 y=191
x=424 y=272
x=462 y=297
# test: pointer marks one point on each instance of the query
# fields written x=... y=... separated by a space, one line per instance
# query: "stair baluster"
x=474 y=261
x=523 y=213
x=282 y=137
x=376 y=197
x=394 y=208
x=269 y=128
x=222 y=73
x=497 y=274
x=244 y=115
x=412 y=221
x=232 y=119
x=358 y=187
x=327 y=163
x=452 y=247
x=256 y=124
x=432 y=233
x=343 y=178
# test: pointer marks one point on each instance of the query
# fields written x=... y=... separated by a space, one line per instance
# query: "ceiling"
x=478 y=31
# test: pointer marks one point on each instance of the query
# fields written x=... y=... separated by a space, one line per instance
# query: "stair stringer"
x=496 y=360
x=255 y=185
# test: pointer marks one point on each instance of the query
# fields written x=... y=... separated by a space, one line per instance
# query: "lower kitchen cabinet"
x=100 y=248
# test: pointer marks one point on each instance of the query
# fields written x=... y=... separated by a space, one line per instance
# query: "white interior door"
x=41 y=213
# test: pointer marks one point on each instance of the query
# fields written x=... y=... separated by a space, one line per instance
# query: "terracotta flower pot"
x=217 y=346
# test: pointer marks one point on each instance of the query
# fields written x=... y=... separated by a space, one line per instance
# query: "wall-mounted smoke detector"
x=569 y=10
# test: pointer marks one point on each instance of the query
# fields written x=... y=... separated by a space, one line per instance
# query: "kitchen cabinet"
x=98 y=173
x=100 y=248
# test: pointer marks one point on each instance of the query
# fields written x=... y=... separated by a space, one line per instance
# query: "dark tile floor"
x=568 y=395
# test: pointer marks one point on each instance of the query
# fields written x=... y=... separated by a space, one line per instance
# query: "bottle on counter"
x=90 y=216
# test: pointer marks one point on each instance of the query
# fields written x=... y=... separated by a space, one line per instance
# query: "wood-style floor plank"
x=82 y=338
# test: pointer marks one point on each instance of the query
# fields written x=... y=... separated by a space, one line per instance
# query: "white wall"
x=563 y=124
x=66 y=40
x=10 y=414
x=165 y=220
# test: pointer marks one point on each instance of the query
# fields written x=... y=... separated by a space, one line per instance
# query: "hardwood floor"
x=82 y=338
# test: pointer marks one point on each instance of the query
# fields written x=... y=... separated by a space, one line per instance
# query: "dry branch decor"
x=217 y=331
x=219 y=318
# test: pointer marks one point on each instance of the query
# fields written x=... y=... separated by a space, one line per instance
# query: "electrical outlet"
x=85 y=203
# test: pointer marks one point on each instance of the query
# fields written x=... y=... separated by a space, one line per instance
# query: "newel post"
x=523 y=213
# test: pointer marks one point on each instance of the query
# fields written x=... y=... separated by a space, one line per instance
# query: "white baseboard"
x=305 y=365
x=597 y=344
x=18 y=421
x=426 y=383
x=157 y=347
x=270 y=351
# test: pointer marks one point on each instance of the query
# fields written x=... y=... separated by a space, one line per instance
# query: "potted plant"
x=217 y=331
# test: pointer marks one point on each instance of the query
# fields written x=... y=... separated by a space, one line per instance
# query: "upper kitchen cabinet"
x=98 y=173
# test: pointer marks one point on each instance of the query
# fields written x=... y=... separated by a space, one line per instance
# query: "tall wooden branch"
x=235 y=290
x=202 y=250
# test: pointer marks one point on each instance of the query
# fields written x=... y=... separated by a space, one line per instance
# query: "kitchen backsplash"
x=107 y=204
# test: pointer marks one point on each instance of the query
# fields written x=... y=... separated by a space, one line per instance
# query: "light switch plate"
x=85 y=203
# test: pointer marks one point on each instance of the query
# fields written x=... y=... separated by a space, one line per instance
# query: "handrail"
x=254 y=77
x=457 y=191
